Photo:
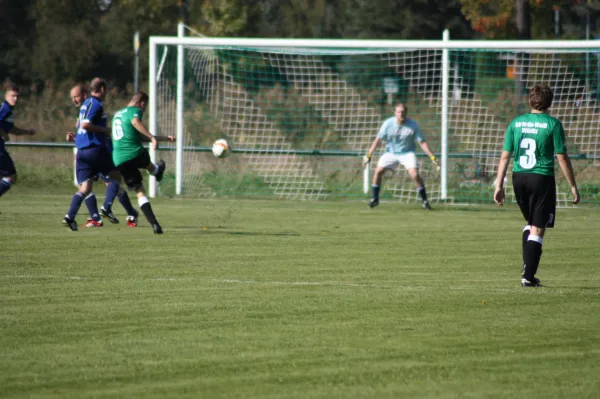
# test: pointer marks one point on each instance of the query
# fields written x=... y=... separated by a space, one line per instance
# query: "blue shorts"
x=92 y=161
x=7 y=166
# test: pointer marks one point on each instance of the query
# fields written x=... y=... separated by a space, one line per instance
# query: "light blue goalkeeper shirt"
x=400 y=139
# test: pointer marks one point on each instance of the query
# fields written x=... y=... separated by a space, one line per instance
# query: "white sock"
x=536 y=238
x=142 y=201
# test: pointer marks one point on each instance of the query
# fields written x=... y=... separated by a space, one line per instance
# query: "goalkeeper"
x=399 y=133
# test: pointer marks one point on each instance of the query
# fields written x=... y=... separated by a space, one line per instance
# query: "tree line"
x=46 y=42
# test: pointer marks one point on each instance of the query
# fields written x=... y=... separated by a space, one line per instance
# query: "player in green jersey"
x=534 y=138
x=129 y=155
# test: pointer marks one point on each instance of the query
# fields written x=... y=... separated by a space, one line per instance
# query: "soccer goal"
x=299 y=114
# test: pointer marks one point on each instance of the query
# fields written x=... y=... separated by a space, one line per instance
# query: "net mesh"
x=300 y=118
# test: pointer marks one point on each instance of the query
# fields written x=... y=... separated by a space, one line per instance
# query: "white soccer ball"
x=221 y=148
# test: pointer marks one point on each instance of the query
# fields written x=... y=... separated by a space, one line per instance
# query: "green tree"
x=225 y=18
x=16 y=39
x=64 y=44
x=525 y=19
x=405 y=19
x=117 y=28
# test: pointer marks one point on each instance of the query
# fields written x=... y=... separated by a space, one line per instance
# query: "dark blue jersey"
x=6 y=123
x=91 y=111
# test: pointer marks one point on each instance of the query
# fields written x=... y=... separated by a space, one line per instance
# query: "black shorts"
x=536 y=196
x=130 y=170
x=7 y=166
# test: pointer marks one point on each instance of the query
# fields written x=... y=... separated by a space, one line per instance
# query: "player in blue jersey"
x=400 y=134
x=92 y=158
x=8 y=173
x=78 y=96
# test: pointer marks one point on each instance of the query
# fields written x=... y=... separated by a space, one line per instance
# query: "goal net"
x=300 y=114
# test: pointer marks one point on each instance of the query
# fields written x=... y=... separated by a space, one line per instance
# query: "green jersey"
x=534 y=138
x=127 y=141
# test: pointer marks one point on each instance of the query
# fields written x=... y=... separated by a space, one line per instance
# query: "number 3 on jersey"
x=117 y=132
x=528 y=160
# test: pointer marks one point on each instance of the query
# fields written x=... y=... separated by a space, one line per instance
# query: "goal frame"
x=445 y=45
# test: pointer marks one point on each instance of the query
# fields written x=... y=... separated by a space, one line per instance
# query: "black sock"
x=531 y=255
x=147 y=209
x=524 y=241
x=422 y=193
x=375 y=188
x=126 y=203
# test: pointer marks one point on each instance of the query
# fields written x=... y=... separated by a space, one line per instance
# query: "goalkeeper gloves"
x=367 y=159
x=435 y=162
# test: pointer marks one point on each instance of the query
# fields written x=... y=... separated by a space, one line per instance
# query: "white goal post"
x=476 y=129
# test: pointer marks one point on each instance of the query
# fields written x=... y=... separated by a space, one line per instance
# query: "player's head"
x=11 y=94
x=98 y=88
x=540 y=97
x=140 y=100
x=400 y=111
x=78 y=94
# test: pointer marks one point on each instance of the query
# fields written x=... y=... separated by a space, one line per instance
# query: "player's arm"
x=430 y=154
x=424 y=146
x=90 y=127
x=70 y=137
x=94 y=111
x=16 y=131
x=499 y=186
x=559 y=142
x=567 y=169
x=367 y=158
x=140 y=127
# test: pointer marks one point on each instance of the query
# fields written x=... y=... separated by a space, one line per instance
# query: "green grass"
x=284 y=299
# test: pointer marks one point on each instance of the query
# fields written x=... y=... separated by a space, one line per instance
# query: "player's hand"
x=70 y=137
x=154 y=144
x=499 y=195
x=576 y=196
x=171 y=139
x=367 y=159
x=435 y=162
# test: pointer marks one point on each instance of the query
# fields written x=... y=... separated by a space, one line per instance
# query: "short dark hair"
x=400 y=103
x=79 y=86
x=11 y=87
x=139 y=97
x=97 y=84
x=540 y=97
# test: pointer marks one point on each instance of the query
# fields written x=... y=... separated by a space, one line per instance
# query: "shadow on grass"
x=239 y=233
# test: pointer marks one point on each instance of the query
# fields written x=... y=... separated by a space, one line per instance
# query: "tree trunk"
x=523 y=21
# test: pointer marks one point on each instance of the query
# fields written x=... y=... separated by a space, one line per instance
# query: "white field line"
x=457 y=285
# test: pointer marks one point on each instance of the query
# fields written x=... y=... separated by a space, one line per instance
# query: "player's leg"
x=8 y=173
x=386 y=161
x=91 y=202
x=543 y=217
x=524 y=238
x=420 y=184
x=124 y=200
x=6 y=182
x=409 y=161
x=133 y=178
x=85 y=176
x=112 y=180
x=156 y=169
x=146 y=208
x=95 y=159
x=519 y=181
x=84 y=191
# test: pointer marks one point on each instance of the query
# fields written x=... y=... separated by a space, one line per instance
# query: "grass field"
x=243 y=298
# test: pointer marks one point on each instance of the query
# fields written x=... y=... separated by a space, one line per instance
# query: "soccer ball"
x=221 y=148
